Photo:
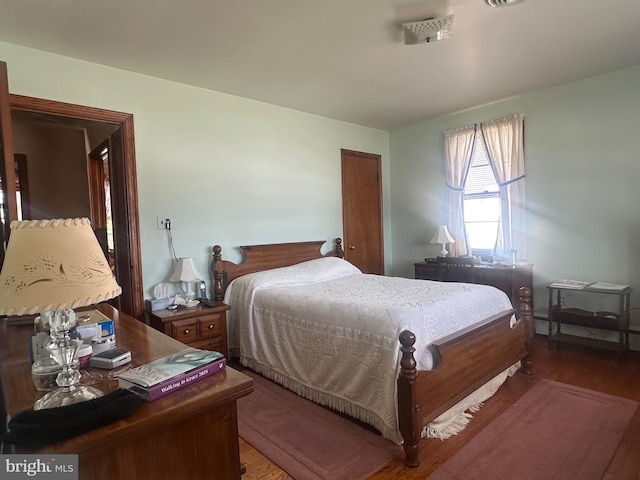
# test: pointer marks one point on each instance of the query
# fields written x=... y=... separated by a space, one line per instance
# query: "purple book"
x=175 y=383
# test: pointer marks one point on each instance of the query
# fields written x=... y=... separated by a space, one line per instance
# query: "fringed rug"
x=305 y=440
x=553 y=432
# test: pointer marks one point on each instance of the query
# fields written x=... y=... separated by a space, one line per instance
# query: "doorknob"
x=352 y=247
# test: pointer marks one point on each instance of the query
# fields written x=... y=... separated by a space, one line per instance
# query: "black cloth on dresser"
x=32 y=429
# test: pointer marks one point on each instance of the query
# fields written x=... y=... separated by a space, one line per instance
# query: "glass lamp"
x=52 y=267
x=442 y=236
x=186 y=273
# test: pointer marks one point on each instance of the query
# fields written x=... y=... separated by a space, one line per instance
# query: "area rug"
x=554 y=431
x=308 y=441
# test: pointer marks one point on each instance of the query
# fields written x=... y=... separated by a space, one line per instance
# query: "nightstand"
x=200 y=327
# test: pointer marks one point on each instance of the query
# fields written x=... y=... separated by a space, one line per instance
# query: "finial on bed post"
x=407 y=361
x=216 y=264
x=409 y=419
x=524 y=309
x=339 y=249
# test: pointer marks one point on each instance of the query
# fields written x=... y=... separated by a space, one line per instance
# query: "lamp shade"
x=185 y=271
x=53 y=265
x=442 y=235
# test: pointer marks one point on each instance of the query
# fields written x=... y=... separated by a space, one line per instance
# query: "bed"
x=298 y=317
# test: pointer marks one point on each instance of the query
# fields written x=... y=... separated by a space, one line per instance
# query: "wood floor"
x=573 y=365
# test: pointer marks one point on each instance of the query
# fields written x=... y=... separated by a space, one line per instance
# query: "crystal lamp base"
x=67 y=396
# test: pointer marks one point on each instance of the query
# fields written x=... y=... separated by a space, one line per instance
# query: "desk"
x=505 y=277
x=192 y=433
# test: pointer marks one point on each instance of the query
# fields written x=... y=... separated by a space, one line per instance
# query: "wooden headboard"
x=265 y=257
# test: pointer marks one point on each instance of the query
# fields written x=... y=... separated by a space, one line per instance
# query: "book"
x=575 y=284
x=173 y=371
x=173 y=384
x=614 y=287
x=169 y=366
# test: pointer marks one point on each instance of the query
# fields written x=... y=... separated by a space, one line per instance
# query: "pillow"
x=311 y=271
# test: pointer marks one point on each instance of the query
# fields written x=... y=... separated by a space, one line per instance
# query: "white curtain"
x=459 y=146
x=504 y=146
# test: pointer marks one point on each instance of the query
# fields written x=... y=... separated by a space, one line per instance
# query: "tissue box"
x=38 y=346
x=93 y=324
x=157 y=304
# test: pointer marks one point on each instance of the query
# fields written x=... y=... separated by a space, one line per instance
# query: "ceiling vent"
x=502 y=3
x=428 y=30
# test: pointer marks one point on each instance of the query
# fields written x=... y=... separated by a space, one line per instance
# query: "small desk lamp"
x=186 y=273
x=442 y=236
x=50 y=268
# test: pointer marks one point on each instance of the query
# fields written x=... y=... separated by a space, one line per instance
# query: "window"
x=481 y=202
x=484 y=219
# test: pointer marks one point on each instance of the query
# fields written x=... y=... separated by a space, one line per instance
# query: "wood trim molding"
x=130 y=226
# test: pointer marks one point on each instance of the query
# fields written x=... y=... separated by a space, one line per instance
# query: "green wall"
x=228 y=170
x=583 y=168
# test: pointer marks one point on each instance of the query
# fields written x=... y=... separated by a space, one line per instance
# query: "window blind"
x=480 y=178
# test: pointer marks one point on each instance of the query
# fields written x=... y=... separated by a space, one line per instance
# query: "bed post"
x=339 y=250
x=408 y=418
x=525 y=314
x=216 y=270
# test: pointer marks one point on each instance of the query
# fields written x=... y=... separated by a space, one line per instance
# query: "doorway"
x=362 y=210
x=122 y=182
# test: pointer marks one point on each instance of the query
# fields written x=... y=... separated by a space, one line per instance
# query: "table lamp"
x=442 y=236
x=186 y=273
x=52 y=267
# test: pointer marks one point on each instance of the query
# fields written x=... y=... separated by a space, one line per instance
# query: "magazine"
x=614 y=287
x=575 y=284
x=175 y=383
x=170 y=366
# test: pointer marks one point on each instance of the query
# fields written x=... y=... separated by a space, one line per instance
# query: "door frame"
x=128 y=228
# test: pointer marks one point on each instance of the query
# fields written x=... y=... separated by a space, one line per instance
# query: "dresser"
x=506 y=277
x=191 y=433
x=200 y=327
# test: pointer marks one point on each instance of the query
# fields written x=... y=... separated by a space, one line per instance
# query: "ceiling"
x=342 y=59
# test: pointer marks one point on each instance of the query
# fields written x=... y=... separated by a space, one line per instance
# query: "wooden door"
x=124 y=207
x=362 y=211
x=98 y=157
x=7 y=163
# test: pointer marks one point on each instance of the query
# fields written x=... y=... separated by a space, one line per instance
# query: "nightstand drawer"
x=211 y=326
x=216 y=343
x=185 y=331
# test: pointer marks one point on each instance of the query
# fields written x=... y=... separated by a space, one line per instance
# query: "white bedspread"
x=330 y=333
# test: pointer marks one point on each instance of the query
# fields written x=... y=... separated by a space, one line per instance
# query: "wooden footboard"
x=464 y=362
